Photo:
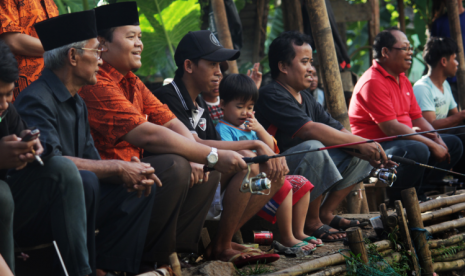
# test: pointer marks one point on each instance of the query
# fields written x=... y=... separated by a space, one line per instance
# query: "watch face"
x=212 y=158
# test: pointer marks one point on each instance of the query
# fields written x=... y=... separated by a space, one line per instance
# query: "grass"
x=256 y=270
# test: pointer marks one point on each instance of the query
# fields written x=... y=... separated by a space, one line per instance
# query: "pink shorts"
x=299 y=185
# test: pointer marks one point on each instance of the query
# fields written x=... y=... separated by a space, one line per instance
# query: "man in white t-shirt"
x=433 y=92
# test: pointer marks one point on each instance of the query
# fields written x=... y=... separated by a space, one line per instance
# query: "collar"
x=58 y=88
x=183 y=94
x=383 y=72
x=114 y=74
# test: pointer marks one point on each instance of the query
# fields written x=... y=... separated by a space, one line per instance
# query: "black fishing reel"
x=255 y=185
x=386 y=176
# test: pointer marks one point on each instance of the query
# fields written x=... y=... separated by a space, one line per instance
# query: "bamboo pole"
x=401 y=8
x=323 y=38
x=456 y=34
x=354 y=199
x=176 y=266
x=451 y=240
x=384 y=215
x=364 y=208
x=445 y=225
x=409 y=197
x=259 y=29
x=447 y=266
x=443 y=212
x=438 y=203
x=440 y=251
x=326 y=261
x=292 y=16
x=386 y=253
x=405 y=236
x=373 y=27
x=330 y=271
x=393 y=258
x=222 y=26
x=456 y=256
x=356 y=243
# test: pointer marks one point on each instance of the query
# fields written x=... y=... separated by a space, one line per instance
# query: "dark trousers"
x=50 y=205
x=6 y=225
x=413 y=176
x=179 y=212
x=460 y=133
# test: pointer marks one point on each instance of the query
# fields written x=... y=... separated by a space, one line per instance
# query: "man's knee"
x=409 y=149
x=454 y=144
x=91 y=186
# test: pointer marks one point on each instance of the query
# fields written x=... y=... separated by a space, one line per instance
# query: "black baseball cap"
x=205 y=45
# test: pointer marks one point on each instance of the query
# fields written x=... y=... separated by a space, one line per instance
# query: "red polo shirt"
x=379 y=98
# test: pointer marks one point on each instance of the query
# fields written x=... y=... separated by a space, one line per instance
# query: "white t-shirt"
x=430 y=98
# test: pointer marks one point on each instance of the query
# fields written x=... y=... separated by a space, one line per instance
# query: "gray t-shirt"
x=277 y=107
x=430 y=98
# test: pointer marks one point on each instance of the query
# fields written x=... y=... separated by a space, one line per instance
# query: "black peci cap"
x=66 y=29
x=205 y=45
x=116 y=15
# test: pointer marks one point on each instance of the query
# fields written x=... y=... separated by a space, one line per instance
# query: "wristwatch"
x=212 y=158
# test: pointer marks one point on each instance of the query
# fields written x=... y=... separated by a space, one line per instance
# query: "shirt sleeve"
x=172 y=101
x=375 y=99
x=16 y=125
x=281 y=111
x=225 y=132
x=110 y=113
x=321 y=116
x=424 y=97
x=157 y=112
x=36 y=112
x=9 y=17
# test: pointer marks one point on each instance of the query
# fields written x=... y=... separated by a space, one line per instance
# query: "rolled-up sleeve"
x=158 y=113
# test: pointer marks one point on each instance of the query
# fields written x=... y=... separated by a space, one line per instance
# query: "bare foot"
x=310 y=228
x=227 y=254
x=290 y=242
x=208 y=250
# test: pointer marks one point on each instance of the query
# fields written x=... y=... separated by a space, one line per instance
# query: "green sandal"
x=302 y=244
x=308 y=239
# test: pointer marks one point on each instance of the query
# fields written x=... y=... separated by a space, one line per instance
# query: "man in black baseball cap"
x=198 y=57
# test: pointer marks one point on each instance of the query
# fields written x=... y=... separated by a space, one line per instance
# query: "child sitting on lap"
x=238 y=94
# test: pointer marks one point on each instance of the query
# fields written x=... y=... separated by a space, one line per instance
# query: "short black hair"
x=282 y=49
x=180 y=71
x=238 y=87
x=107 y=34
x=9 y=71
x=384 y=39
x=437 y=48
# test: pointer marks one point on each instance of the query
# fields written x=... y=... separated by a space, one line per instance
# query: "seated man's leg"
x=238 y=208
x=353 y=170
x=319 y=168
x=454 y=144
x=460 y=133
x=6 y=225
x=91 y=197
x=407 y=175
x=50 y=205
x=174 y=173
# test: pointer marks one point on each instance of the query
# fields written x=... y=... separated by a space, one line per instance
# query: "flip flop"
x=335 y=223
x=312 y=238
x=323 y=232
x=254 y=259
x=302 y=244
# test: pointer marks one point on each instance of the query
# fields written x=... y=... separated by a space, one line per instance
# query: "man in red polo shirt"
x=383 y=104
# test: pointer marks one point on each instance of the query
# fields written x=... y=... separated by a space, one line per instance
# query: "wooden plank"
x=346 y=12
x=405 y=236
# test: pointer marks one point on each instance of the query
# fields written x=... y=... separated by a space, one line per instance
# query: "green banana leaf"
x=163 y=24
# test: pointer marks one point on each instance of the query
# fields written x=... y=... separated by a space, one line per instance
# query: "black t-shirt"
x=277 y=107
x=11 y=123
x=197 y=120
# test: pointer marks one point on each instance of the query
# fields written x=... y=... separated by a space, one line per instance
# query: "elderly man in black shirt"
x=14 y=154
x=290 y=113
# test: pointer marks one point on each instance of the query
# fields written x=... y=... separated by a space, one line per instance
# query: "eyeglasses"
x=410 y=48
x=98 y=52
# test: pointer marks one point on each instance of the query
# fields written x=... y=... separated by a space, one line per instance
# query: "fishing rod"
x=407 y=161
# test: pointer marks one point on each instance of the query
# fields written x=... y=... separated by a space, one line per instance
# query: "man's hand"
x=198 y=176
x=14 y=153
x=229 y=162
x=440 y=153
x=138 y=176
x=256 y=75
x=37 y=146
x=252 y=123
x=374 y=153
x=276 y=169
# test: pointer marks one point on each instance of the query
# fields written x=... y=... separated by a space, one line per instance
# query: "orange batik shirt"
x=116 y=105
x=19 y=16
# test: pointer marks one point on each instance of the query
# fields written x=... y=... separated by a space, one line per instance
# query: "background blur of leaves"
x=165 y=22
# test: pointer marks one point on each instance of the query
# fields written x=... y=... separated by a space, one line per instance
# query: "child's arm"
x=262 y=134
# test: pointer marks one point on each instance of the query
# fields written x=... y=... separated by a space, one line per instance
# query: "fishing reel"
x=386 y=176
x=255 y=185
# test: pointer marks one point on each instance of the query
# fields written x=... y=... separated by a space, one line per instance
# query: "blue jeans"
x=412 y=176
